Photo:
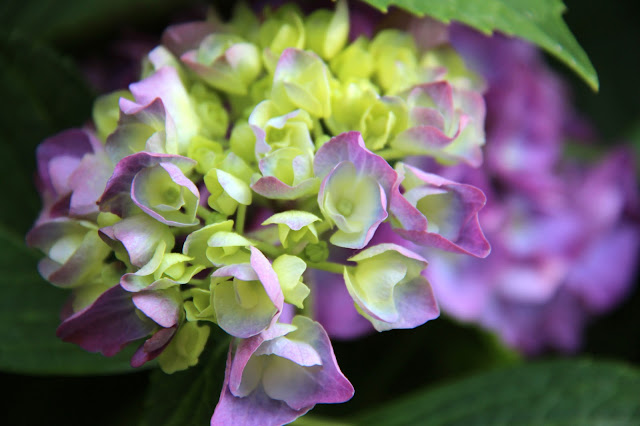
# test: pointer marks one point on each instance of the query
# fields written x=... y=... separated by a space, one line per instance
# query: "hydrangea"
x=556 y=226
x=251 y=158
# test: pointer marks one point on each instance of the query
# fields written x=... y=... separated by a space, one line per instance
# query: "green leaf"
x=41 y=94
x=549 y=393
x=29 y=315
x=189 y=397
x=539 y=21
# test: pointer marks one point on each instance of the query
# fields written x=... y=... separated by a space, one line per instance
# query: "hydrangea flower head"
x=253 y=163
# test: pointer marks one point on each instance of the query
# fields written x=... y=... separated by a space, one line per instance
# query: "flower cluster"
x=565 y=234
x=250 y=158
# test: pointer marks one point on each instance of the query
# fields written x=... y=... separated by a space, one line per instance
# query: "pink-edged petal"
x=143 y=188
x=259 y=410
x=432 y=98
x=355 y=189
x=458 y=229
x=262 y=378
x=261 y=284
x=274 y=188
x=145 y=127
x=416 y=303
x=117 y=194
x=350 y=146
x=331 y=385
x=139 y=235
x=165 y=84
x=389 y=289
x=447 y=123
x=268 y=277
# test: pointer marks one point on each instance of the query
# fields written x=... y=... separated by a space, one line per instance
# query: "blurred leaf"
x=41 y=94
x=539 y=21
x=76 y=20
x=29 y=315
x=406 y=360
x=189 y=397
x=550 y=393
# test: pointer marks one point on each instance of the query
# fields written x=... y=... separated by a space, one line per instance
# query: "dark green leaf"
x=41 y=94
x=539 y=21
x=567 y=392
x=189 y=397
x=406 y=360
x=29 y=315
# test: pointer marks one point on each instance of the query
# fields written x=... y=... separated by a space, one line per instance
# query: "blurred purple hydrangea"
x=565 y=233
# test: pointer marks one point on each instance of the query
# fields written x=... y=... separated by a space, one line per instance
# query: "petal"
x=107 y=325
x=457 y=227
x=166 y=85
x=161 y=306
x=117 y=194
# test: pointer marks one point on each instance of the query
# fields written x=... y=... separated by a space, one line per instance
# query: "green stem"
x=195 y=281
x=336 y=268
x=240 y=217
x=203 y=212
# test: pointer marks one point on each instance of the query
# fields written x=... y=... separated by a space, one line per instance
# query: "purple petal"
x=333 y=308
x=107 y=325
x=611 y=259
x=153 y=346
x=259 y=410
x=325 y=382
x=71 y=145
x=87 y=183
